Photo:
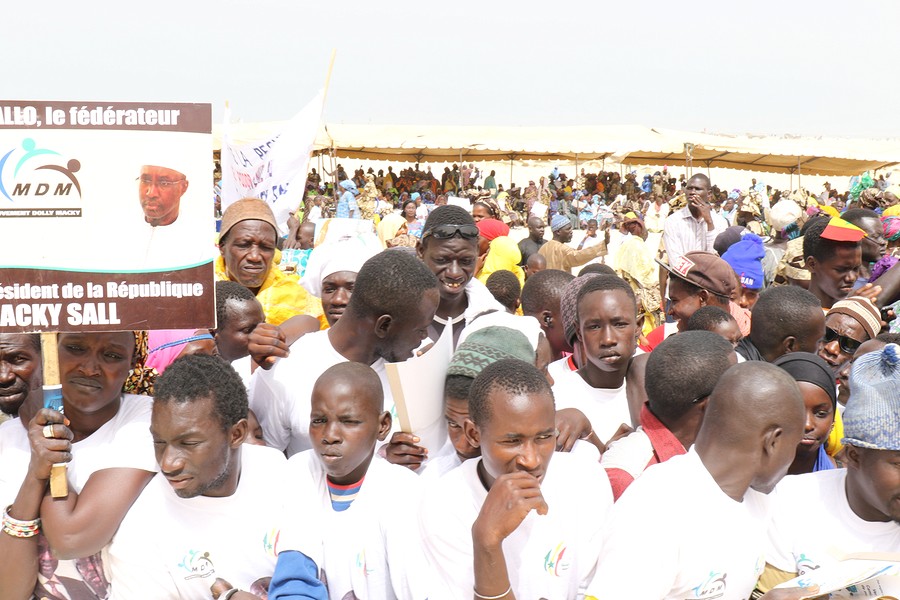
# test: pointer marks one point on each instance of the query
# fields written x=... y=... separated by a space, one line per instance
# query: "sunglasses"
x=847 y=344
x=445 y=232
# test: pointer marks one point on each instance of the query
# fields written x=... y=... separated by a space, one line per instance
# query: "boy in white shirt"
x=352 y=515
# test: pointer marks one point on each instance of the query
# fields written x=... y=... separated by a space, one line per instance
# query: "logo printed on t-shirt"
x=805 y=564
x=555 y=562
x=270 y=542
x=712 y=587
x=362 y=565
x=197 y=564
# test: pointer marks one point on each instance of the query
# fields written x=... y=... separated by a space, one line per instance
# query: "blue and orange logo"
x=21 y=176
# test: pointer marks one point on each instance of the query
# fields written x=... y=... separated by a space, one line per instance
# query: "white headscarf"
x=347 y=254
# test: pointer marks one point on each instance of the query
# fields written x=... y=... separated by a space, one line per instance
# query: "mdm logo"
x=24 y=172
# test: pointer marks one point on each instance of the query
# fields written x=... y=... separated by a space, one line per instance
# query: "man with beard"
x=560 y=255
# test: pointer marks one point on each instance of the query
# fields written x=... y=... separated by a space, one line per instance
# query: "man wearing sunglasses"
x=848 y=324
x=449 y=247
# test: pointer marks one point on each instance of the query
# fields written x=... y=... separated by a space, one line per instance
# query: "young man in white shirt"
x=206 y=524
x=514 y=513
x=393 y=303
x=354 y=516
x=853 y=509
x=607 y=331
x=693 y=527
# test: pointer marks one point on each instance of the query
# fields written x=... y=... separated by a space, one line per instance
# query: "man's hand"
x=704 y=209
x=572 y=426
x=402 y=450
x=870 y=291
x=511 y=498
x=267 y=342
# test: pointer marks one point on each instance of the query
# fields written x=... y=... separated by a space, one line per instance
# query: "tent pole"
x=798 y=172
x=510 y=171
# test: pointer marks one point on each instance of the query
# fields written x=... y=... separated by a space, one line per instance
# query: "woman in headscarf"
x=392 y=232
x=331 y=272
x=503 y=255
x=104 y=439
x=816 y=383
x=166 y=345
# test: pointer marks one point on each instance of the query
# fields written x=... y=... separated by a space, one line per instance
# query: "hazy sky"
x=806 y=67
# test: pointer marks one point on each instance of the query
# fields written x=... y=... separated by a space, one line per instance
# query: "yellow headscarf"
x=503 y=255
x=389 y=226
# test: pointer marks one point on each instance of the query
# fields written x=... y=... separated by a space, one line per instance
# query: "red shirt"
x=624 y=467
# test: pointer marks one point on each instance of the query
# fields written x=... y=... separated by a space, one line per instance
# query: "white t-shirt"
x=605 y=408
x=675 y=535
x=548 y=556
x=171 y=547
x=122 y=442
x=243 y=368
x=281 y=396
x=813 y=525
x=372 y=548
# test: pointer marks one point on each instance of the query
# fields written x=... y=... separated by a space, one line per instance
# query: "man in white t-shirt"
x=819 y=517
x=693 y=527
x=207 y=522
x=607 y=331
x=393 y=303
x=530 y=525
x=680 y=375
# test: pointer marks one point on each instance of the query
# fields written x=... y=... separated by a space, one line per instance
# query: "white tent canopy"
x=628 y=144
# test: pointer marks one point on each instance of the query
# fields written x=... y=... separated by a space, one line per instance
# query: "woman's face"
x=479 y=212
x=93 y=368
x=409 y=210
x=819 y=417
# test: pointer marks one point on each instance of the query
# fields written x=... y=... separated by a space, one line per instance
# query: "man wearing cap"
x=745 y=258
x=248 y=255
x=833 y=256
x=563 y=257
x=693 y=227
x=853 y=509
x=696 y=279
x=164 y=239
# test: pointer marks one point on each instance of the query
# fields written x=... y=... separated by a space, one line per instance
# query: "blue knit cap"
x=872 y=417
x=559 y=222
x=745 y=257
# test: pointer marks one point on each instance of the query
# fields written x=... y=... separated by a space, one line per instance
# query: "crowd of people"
x=709 y=408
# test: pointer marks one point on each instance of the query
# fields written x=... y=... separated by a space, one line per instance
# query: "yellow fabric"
x=772 y=577
x=829 y=210
x=504 y=254
x=892 y=211
x=281 y=295
x=833 y=444
x=389 y=226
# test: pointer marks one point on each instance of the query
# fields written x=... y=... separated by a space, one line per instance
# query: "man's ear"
x=772 y=440
x=546 y=320
x=811 y=264
x=384 y=425
x=639 y=324
x=471 y=433
x=852 y=456
x=420 y=250
x=239 y=432
x=703 y=295
x=383 y=325
x=789 y=344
